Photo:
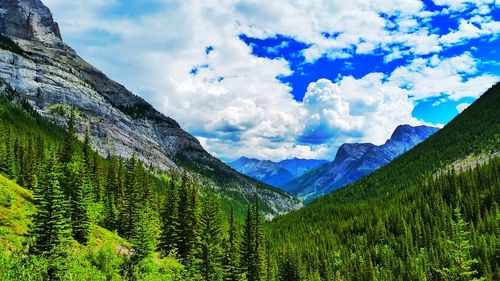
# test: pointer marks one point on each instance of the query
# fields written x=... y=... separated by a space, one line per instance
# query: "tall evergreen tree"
x=247 y=246
x=111 y=195
x=170 y=235
x=231 y=265
x=144 y=235
x=256 y=269
x=50 y=229
x=460 y=261
x=188 y=218
x=80 y=211
x=251 y=256
x=210 y=255
x=289 y=268
x=68 y=148
x=87 y=150
x=129 y=209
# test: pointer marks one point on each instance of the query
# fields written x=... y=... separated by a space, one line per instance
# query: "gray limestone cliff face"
x=29 y=20
x=55 y=80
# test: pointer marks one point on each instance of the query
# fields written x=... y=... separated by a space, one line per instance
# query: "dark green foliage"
x=188 y=221
x=50 y=225
x=460 y=262
x=231 y=266
x=251 y=248
x=145 y=235
x=80 y=205
x=409 y=235
x=211 y=231
x=128 y=210
x=139 y=110
x=113 y=195
x=170 y=238
x=289 y=268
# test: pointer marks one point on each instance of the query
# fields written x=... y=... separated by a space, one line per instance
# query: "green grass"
x=15 y=210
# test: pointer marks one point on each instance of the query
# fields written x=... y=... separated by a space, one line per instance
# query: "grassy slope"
x=475 y=131
x=15 y=210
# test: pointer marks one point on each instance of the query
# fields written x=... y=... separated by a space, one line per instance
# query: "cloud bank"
x=187 y=59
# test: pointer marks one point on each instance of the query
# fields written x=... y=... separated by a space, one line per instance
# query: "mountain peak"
x=29 y=20
x=356 y=160
x=404 y=131
x=354 y=150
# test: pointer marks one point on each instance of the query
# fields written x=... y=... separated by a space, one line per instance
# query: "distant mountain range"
x=354 y=161
x=275 y=173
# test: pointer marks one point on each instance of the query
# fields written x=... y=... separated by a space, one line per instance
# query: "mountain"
x=274 y=173
x=49 y=75
x=356 y=160
x=298 y=166
x=420 y=217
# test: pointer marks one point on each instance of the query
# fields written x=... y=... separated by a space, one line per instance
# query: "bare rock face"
x=55 y=80
x=29 y=20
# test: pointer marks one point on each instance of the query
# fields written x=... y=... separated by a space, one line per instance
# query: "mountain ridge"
x=274 y=173
x=356 y=160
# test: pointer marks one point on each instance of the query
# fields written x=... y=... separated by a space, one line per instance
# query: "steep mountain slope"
x=298 y=166
x=356 y=160
x=35 y=62
x=274 y=173
x=397 y=223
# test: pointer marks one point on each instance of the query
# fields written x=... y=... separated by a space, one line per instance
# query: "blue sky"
x=282 y=79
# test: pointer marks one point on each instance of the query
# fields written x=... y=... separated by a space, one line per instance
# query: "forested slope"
x=66 y=213
x=396 y=224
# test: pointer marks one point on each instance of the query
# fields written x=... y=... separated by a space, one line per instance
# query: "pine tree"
x=247 y=246
x=232 y=271
x=210 y=256
x=256 y=267
x=87 y=151
x=169 y=239
x=68 y=148
x=188 y=221
x=51 y=229
x=144 y=235
x=111 y=195
x=289 y=268
x=460 y=261
x=251 y=248
x=130 y=207
x=80 y=211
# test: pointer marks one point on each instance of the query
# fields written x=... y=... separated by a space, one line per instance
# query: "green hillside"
x=15 y=210
x=99 y=259
x=66 y=213
x=396 y=223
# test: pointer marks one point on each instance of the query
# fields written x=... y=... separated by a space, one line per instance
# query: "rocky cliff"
x=47 y=73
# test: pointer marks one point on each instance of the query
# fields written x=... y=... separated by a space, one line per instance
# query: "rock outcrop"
x=55 y=80
x=29 y=20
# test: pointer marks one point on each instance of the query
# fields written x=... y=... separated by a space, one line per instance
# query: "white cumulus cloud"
x=461 y=107
x=236 y=105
